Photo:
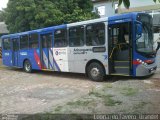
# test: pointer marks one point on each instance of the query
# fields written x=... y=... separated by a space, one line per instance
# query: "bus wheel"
x=95 y=72
x=27 y=66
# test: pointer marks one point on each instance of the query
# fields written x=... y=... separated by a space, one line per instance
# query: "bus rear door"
x=46 y=50
x=15 y=51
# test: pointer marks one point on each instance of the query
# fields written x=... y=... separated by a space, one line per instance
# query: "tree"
x=1 y=16
x=127 y=2
x=23 y=15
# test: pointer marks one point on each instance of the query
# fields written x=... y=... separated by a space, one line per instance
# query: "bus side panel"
x=60 y=59
x=23 y=54
x=32 y=56
x=7 y=57
x=36 y=59
x=79 y=57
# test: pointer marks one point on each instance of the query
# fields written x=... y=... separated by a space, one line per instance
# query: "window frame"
x=104 y=33
x=17 y=40
x=27 y=47
x=66 y=38
x=84 y=39
x=3 y=41
x=47 y=45
x=33 y=41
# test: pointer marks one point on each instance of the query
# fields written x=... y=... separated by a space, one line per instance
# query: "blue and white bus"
x=117 y=45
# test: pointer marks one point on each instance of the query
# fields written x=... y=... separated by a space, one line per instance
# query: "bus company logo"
x=56 y=52
x=81 y=51
x=23 y=53
x=60 y=52
x=105 y=57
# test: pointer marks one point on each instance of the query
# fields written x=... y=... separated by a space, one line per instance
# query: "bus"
x=118 y=45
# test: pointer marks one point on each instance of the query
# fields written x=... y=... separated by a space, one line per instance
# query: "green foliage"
x=23 y=15
x=1 y=16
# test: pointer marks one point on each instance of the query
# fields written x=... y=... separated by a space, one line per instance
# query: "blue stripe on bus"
x=54 y=61
x=49 y=60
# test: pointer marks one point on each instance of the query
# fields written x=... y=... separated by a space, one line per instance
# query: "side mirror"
x=158 y=46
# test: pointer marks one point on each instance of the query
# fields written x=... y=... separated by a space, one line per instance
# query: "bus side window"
x=6 y=44
x=24 y=42
x=115 y=35
x=47 y=40
x=33 y=40
x=60 y=38
x=95 y=34
x=15 y=44
x=76 y=36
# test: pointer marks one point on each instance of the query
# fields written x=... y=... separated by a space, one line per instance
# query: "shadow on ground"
x=79 y=76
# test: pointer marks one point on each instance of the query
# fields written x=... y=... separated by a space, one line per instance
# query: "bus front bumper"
x=142 y=70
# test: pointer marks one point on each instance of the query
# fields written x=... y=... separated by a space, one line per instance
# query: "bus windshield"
x=145 y=43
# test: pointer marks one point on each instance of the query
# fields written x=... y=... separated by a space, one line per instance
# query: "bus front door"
x=120 y=49
x=15 y=53
x=46 y=51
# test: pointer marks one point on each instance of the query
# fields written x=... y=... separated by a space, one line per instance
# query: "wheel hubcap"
x=28 y=67
x=95 y=72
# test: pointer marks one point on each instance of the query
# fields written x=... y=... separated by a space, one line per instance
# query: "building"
x=3 y=30
x=106 y=8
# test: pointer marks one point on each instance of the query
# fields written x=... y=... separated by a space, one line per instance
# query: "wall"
x=3 y=30
x=140 y=5
x=109 y=10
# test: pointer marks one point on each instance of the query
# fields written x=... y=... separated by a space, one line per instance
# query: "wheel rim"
x=28 y=66
x=95 y=72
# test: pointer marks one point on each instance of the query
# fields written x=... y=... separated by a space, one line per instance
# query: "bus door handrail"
x=112 y=52
x=116 y=46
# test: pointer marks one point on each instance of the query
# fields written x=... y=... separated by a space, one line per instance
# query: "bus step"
x=123 y=67
x=122 y=63
x=116 y=74
x=122 y=70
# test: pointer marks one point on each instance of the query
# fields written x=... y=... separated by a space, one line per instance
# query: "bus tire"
x=27 y=66
x=95 y=72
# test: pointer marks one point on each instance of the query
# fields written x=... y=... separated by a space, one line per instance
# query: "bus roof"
x=112 y=18
x=35 y=31
x=123 y=16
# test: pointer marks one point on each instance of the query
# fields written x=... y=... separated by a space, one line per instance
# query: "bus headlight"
x=142 y=62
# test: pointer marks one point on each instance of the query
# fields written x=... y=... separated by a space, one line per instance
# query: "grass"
x=58 y=109
x=96 y=94
x=129 y=91
x=107 y=99
x=140 y=105
x=91 y=101
x=79 y=103
x=108 y=85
